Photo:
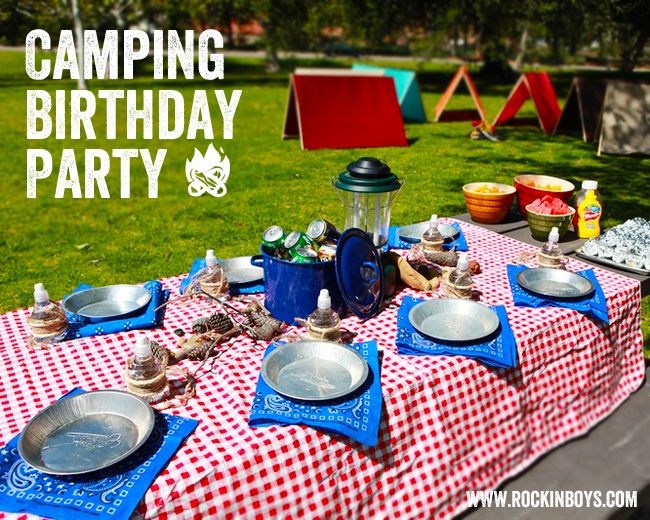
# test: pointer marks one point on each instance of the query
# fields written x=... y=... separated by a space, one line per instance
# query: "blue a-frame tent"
x=408 y=91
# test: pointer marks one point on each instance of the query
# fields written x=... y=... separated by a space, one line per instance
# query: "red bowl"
x=527 y=194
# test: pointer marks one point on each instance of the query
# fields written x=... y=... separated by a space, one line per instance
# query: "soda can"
x=273 y=238
x=321 y=231
x=327 y=252
x=296 y=239
x=303 y=255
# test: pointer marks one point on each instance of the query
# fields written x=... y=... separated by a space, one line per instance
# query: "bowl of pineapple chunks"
x=488 y=202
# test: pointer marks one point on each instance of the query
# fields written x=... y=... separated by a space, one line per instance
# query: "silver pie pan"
x=454 y=320
x=414 y=232
x=555 y=283
x=239 y=271
x=86 y=432
x=107 y=303
x=314 y=370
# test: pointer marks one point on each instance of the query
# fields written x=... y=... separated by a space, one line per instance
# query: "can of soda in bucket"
x=296 y=239
x=273 y=238
x=303 y=255
x=327 y=252
x=321 y=231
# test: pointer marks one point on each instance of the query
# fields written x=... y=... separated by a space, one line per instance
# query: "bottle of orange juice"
x=589 y=209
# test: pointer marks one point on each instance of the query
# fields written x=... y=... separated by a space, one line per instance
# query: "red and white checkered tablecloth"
x=449 y=424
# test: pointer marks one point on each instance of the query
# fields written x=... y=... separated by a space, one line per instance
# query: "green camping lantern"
x=367 y=189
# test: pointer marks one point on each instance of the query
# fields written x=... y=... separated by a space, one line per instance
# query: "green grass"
x=272 y=181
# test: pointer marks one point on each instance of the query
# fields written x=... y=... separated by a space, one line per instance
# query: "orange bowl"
x=488 y=208
x=527 y=194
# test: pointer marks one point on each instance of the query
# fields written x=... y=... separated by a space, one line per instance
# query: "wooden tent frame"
x=576 y=116
x=442 y=115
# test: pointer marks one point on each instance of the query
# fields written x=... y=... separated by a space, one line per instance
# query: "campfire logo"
x=208 y=173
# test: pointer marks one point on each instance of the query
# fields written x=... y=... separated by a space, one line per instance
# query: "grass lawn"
x=272 y=181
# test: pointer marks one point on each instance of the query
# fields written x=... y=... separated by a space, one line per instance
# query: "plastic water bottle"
x=459 y=283
x=550 y=254
x=211 y=279
x=210 y=261
x=324 y=322
x=432 y=239
x=551 y=247
x=143 y=365
x=146 y=376
x=47 y=320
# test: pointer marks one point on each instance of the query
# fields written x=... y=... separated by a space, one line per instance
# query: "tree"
x=631 y=21
x=284 y=26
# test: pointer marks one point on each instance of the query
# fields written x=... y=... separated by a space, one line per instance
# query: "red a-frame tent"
x=343 y=109
x=538 y=86
x=478 y=112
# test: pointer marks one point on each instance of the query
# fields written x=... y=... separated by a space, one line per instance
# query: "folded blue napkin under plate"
x=112 y=493
x=199 y=264
x=594 y=305
x=498 y=350
x=459 y=243
x=149 y=317
x=356 y=417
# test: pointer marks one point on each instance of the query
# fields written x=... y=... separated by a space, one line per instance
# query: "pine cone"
x=200 y=326
x=219 y=323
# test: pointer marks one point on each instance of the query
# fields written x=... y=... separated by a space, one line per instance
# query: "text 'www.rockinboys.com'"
x=546 y=498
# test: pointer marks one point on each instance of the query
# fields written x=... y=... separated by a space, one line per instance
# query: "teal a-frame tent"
x=408 y=91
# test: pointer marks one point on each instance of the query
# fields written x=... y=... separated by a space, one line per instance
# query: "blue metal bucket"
x=291 y=290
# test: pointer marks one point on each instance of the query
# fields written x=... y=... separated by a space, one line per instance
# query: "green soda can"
x=303 y=255
x=273 y=238
x=321 y=231
x=296 y=239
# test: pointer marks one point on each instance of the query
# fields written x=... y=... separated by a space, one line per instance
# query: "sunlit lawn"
x=272 y=181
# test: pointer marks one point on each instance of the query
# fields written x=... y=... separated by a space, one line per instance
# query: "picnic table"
x=449 y=423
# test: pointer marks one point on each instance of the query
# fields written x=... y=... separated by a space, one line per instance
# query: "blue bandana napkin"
x=594 y=305
x=357 y=417
x=460 y=243
x=146 y=319
x=499 y=350
x=199 y=264
x=112 y=493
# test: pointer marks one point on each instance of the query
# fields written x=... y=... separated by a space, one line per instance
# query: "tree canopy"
x=495 y=31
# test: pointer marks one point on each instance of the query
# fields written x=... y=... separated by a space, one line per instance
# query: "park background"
x=63 y=242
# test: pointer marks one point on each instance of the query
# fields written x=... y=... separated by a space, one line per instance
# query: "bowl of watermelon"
x=532 y=187
x=546 y=213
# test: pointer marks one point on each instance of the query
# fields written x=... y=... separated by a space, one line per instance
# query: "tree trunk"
x=631 y=55
x=79 y=39
x=495 y=53
x=272 y=62
x=556 y=56
x=523 y=43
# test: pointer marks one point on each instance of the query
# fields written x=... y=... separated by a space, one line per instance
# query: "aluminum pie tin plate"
x=314 y=370
x=414 y=232
x=239 y=270
x=107 y=303
x=454 y=320
x=555 y=283
x=611 y=263
x=86 y=432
